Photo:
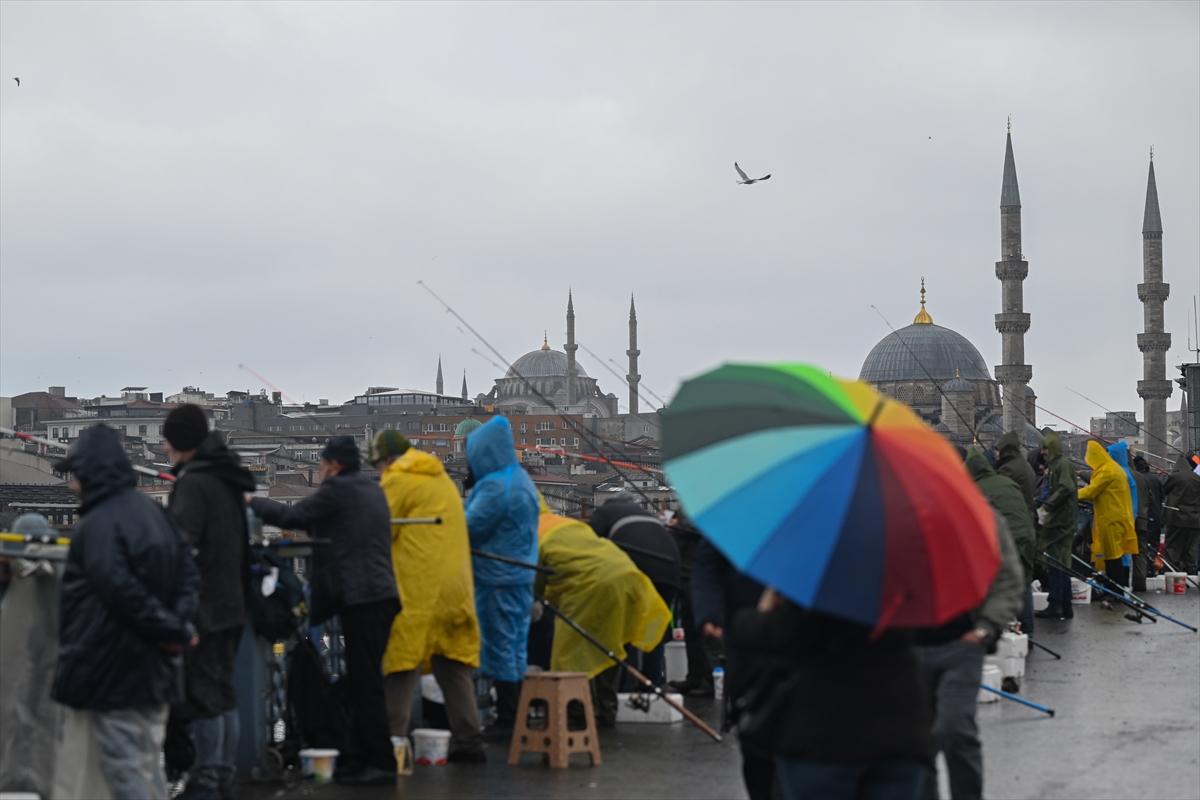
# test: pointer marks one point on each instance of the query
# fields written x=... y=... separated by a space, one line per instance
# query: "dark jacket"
x=1181 y=496
x=1013 y=465
x=847 y=698
x=1008 y=501
x=1145 y=499
x=351 y=511
x=129 y=585
x=1061 y=504
x=1154 y=491
x=627 y=524
x=719 y=591
x=207 y=501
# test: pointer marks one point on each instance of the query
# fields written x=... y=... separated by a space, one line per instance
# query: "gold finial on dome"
x=956 y=375
x=545 y=341
x=923 y=317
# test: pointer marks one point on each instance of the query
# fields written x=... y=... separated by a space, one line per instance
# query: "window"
x=121 y=428
x=160 y=430
x=55 y=433
x=524 y=427
x=523 y=441
x=537 y=442
x=552 y=441
x=414 y=426
x=544 y=426
x=141 y=430
x=575 y=442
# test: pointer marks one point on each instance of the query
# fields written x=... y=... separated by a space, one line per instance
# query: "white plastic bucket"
x=1156 y=583
x=992 y=676
x=318 y=764
x=1081 y=593
x=431 y=746
x=1040 y=600
x=1176 y=583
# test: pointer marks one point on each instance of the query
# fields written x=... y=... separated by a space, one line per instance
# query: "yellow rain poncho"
x=1113 y=533
x=597 y=585
x=433 y=568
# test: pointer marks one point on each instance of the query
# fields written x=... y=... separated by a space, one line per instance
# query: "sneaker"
x=1068 y=612
x=1010 y=685
x=683 y=687
x=1050 y=612
x=467 y=755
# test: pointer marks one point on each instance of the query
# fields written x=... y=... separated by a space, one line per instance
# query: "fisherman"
x=598 y=586
x=1113 y=533
x=1149 y=511
x=129 y=593
x=1061 y=515
x=502 y=519
x=1008 y=500
x=352 y=577
x=701 y=655
x=437 y=625
x=207 y=500
x=654 y=552
x=1181 y=514
x=1016 y=467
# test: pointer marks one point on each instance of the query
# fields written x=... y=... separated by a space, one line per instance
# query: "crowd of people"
x=154 y=606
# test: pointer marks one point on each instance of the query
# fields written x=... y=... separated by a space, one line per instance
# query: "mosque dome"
x=466 y=427
x=923 y=351
x=542 y=363
x=958 y=384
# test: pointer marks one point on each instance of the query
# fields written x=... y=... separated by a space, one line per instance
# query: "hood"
x=214 y=457
x=100 y=465
x=418 y=462
x=604 y=517
x=490 y=448
x=1120 y=454
x=1008 y=447
x=1053 y=445
x=1182 y=466
x=978 y=466
x=1097 y=456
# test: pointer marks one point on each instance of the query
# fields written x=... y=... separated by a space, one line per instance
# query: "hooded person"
x=436 y=630
x=597 y=585
x=1113 y=534
x=502 y=519
x=129 y=594
x=1149 y=507
x=1061 y=508
x=207 y=500
x=1181 y=514
x=1012 y=464
x=1008 y=500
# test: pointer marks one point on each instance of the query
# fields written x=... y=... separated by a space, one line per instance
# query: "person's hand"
x=973 y=637
x=175 y=648
x=247 y=497
x=712 y=630
x=770 y=600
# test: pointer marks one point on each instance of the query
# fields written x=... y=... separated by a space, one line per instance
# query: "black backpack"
x=279 y=614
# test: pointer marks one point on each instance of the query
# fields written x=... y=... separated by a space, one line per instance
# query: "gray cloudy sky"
x=185 y=187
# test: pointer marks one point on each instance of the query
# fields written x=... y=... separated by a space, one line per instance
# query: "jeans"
x=458 y=687
x=875 y=779
x=1059 y=590
x=365 y=629
x=216 y=742
x=952 y=673
x=128 y=744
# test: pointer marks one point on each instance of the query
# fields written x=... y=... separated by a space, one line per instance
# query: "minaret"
x=1154 y=343
x=569 y=348
x=464 y=389
x=438 y=385
x=1012 y=321
x=633 y=377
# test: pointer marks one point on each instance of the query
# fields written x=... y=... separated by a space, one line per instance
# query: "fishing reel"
x=640 y=702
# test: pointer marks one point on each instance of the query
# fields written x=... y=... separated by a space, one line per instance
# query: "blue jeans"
x=216 y=741
x=129 y=742
x=1059 y=590
x=876 y=779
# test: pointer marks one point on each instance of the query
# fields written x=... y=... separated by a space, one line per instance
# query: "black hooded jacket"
x=627 y=523
x=207 y=500
x=1013 y=465
x=1181 y=504
x=129 y=585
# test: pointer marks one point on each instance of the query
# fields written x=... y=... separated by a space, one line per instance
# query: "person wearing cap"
x=437 y=630
x=352 y=577
x=206 y=499
x=129 y=593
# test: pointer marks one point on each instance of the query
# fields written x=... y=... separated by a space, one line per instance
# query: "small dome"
x=466 y=427
x=922 y=351
x=1030 y=393
x=541 y=364
x=942 y=427
x=958 y=385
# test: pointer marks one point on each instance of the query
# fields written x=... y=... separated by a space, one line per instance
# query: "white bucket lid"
x=320 y=753
x=430 y=733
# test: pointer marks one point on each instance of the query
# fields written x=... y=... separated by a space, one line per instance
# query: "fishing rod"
x=1170 y=566
x=1016 y=699
x=284 y=395
x=1140 y=426
x=1099 y=576
x=565 y=454
x=620 y=377
x=166 y=476
x=1047 y=649
x=1140 y=608
x=416 y=520
x=645 y=682
x=515 y=562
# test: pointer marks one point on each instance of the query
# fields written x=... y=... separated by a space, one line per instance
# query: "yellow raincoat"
x=597 y=585
x=1113 y=533
x=433 y=568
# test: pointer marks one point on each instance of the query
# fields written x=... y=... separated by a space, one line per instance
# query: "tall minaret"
x=1012 y=321
x=569 y=348
x=1154 y=343
x=464 y=388
x=438 y=385
x=633 y=377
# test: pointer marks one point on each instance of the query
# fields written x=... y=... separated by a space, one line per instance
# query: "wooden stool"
x=556 y=690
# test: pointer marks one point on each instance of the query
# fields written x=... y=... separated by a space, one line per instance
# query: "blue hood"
x=490 y=448
x=1120 y=454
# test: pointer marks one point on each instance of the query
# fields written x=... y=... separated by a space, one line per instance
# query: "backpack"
x=318 y=709
x=276 y=597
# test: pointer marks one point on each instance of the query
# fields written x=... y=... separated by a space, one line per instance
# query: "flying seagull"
x=746 y=179
x=18 y=80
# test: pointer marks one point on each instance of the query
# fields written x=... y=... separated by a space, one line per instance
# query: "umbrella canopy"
x=839 y=497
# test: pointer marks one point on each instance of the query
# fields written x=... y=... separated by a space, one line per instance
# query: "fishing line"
x=1141 y=428
x=619 y=376
x=282 y=394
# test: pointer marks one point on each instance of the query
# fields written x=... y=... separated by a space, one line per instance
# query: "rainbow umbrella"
x=839 y=497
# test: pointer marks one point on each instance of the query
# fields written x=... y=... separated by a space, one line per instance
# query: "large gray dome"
x=542 y=363
x=922 y=351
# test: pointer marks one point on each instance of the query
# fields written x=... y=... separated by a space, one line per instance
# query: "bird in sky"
x=746 y=179
x=18 y=80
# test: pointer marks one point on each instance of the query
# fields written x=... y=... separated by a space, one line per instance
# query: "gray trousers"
x=952 y=673
x=126 y=744
x=459 y=690
x=1181 y=547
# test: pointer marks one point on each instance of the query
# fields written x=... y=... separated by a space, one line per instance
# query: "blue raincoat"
x=502 y=518
x=1120 y=454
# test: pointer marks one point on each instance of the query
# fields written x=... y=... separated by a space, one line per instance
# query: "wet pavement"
x=1127 y=698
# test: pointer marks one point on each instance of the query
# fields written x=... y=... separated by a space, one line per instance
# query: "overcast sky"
x=187 y=187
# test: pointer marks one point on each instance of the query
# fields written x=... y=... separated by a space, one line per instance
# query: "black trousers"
x=365 y=629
